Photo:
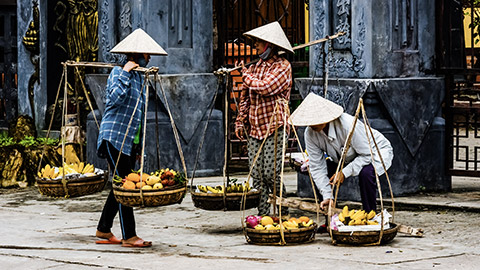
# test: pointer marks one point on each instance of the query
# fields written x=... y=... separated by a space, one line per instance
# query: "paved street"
x=42 y=233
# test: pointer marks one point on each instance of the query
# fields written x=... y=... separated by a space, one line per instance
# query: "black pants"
x=367 y=182
x=111 y=207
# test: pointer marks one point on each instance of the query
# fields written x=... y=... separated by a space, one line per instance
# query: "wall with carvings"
x=184 y=28
x=393 y=38
x=32 y=71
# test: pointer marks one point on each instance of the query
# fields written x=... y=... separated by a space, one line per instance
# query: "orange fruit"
x=303 y=218
x=134 y=177
x=145 y=176
x=128 y=185
x=140 y=185
x=295 y=219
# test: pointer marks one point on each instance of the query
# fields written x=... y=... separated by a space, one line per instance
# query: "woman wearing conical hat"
x=264 y=84
x=325 y=136
x=124 y=88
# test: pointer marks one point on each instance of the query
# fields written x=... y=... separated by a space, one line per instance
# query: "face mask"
x=142 y=62
x=266 y=52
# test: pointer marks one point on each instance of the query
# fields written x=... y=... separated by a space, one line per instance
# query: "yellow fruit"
x=350 y=213
x=371 y=215
x=152 y=180
x=270 y=227
x=259 y=227
x=341 y=217
x=351 y=223
x=371 y=222
x=158 y=186
x=345 y=211
x=309 y=223
x=147 y=187
x=266 y=220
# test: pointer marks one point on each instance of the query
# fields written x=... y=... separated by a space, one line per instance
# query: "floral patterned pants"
x=264 y=170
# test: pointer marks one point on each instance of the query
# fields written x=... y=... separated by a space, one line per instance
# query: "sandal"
x=138 y=243
x=112 y=240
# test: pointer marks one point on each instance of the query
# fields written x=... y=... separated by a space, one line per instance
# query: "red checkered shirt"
x=263 y=84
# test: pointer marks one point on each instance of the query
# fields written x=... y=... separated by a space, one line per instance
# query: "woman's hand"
x=325 y=203
x=338 y=179
x=129 y=66
x=240 y=64
x=239 y=132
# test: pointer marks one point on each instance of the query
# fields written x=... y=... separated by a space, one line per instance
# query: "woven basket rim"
x=304 y=229
x=74 y=180
x=147 y=192
x=393 y=228
x=203 y=194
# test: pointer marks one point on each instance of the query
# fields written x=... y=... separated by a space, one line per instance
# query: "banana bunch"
x=233 y=188
x=48 y=172
x=206 y=189
x=74 y=168
x=86 y=169
x=356 y=217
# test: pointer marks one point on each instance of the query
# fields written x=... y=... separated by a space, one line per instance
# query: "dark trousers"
x=367 y=183
x=111 y=207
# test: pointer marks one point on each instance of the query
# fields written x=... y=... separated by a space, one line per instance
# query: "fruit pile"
x=273 y=223
x=232 y=188
x=357 y=217
x=49 y=172
x=155 y=180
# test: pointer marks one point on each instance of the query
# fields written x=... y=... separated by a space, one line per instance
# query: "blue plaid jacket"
x=123 y=91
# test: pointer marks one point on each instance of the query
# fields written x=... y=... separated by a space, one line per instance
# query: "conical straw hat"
x=139 y=42
x=315 y=110
x=272 y=33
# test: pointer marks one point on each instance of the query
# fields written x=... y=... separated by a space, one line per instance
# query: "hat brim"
x=315 y=110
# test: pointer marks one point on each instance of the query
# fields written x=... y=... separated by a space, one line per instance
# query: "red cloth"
x=263 y=84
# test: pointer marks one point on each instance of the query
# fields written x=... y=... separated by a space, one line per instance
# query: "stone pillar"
x=385 y=58
x=25 y=67
x=184 y=29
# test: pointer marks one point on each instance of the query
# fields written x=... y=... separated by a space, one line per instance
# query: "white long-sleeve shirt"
x=358 y=154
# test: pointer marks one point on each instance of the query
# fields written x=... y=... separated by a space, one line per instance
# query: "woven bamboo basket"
x=273 y=237
x=233 y=201
x=365 y=238
x=75 y=186
x=151 y=198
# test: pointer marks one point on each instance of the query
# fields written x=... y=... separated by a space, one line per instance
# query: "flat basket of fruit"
x=72 y=180
x=356 y=227
x=231 y=198
x=163 y=187
x=266 y=230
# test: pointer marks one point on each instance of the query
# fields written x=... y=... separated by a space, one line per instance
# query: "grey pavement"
x=38 y=232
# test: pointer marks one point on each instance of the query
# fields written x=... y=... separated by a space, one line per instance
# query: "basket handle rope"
x=212 y=106
x=129 y=126
x=51 y=121
x=62 y=130
x=174 y=127
x=341 y=163
x=142 y=157
x=244 y=195
x=308 y=169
